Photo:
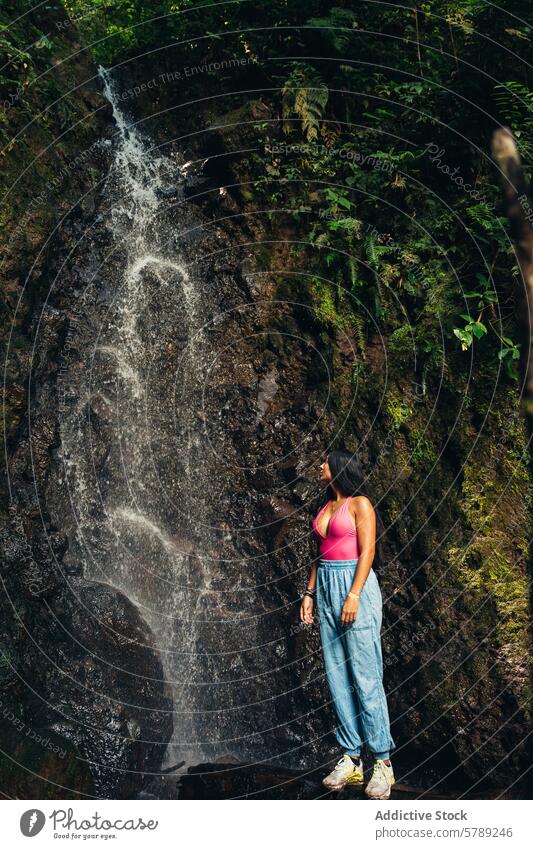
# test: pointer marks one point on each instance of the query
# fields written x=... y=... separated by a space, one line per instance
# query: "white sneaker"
x=381 y=781
x=345 y=772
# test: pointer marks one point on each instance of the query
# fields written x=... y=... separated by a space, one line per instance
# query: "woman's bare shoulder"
x=362 y=505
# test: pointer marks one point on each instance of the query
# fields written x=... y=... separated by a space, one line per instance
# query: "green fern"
x=304 y=94
x=486 y=224
x=359 y=328
x=383 y=293
x=515 y=104
x=374 y=251
x=352 y=268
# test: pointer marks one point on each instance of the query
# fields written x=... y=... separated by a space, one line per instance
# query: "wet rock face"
x=123 y=713
x=82 y=671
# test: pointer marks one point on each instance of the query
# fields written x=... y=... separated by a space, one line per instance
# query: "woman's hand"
x=349 y=610
x=306 y=610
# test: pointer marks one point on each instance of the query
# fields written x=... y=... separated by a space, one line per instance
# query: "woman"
x=349 y=604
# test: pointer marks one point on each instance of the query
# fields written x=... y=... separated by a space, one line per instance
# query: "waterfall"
x=132 y=447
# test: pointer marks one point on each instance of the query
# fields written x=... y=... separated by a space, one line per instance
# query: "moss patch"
x=495 y=499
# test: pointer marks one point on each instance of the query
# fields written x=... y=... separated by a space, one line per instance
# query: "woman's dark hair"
x=349 y=478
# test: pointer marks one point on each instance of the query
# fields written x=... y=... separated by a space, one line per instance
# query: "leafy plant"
x=510 y=354
x=304 y=94
x=515 y=102
x=472 y=329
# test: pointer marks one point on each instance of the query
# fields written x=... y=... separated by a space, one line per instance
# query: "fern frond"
x=359 y=333
x=515 y=104
x=304 y=94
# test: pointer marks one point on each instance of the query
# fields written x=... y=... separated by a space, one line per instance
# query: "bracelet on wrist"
x=310 y=593
x=354 y=595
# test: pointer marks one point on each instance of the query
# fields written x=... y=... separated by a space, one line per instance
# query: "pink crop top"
x=341 y=541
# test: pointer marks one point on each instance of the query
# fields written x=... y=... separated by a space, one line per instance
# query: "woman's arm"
x=311 y=584
x=365 y=522
x=308 y=603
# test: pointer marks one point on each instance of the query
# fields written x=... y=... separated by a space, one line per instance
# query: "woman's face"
x=325 y=472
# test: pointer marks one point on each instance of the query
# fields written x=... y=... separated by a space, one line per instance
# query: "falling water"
x=132 y=446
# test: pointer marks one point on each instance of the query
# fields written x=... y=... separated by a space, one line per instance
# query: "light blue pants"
x=353 y=659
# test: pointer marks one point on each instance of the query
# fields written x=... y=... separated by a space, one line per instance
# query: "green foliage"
x=515 y=103
x=305 y=95
x=398 y=409
x=485 y=299
x=494 y=560
x=401 y=345
x=401 y=236
x=510 y=354
x=113 y=28
x=472 y=329
x=422 y=452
